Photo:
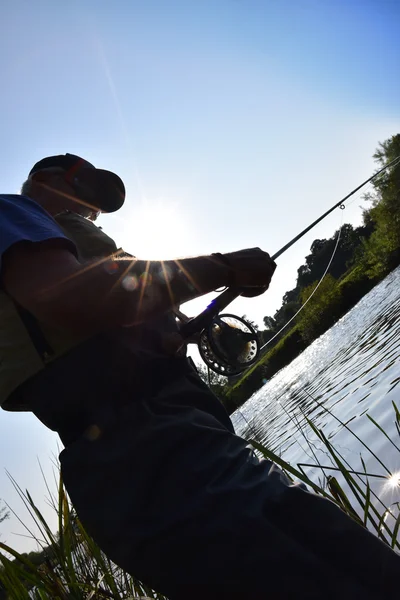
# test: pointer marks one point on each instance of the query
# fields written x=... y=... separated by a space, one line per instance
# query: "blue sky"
x=233 y=124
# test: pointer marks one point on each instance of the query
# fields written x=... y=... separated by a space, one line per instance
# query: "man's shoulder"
x=22 y=209
x=23 y=219
x=16 y=199
x=17 y=203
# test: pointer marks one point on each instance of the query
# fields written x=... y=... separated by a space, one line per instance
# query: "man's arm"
x=55 y=287
x=49 y=281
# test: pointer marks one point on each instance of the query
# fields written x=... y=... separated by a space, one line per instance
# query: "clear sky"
x=233 y=124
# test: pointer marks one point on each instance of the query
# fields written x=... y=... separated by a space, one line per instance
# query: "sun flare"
x=391 y=485
x=394 y=481
x=155 y=230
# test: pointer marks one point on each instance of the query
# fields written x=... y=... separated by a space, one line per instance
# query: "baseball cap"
x=100 y=188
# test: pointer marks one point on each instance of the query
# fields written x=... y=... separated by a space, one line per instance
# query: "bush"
x=321 y=308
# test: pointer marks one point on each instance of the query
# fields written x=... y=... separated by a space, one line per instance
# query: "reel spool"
x=229 y=345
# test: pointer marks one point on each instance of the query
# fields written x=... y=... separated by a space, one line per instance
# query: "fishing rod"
x=227 y=343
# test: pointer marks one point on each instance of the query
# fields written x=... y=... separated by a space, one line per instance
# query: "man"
x=151 y=461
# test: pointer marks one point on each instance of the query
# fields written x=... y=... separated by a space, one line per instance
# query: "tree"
x=269 y=323
x=291 y=296
x=382 y=250
x=387 y=152
x=285 y=313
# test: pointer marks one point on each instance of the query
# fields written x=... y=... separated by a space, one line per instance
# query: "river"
x=353 y=370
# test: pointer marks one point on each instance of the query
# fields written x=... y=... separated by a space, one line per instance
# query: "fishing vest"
x=26 y=344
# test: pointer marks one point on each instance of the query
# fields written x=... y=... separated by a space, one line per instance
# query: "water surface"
x=352 y=370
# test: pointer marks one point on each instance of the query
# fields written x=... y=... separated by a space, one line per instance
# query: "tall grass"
x=348 y=486
x=74 y=568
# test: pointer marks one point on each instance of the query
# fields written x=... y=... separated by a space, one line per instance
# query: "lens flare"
x=130 y=283
x=394 y=481
x=111 y=267
x=391 y=485
x=146 y=279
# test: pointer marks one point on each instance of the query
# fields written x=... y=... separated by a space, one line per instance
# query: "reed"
x=73 y=567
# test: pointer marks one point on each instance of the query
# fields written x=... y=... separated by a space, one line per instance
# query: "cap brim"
x=108 y=188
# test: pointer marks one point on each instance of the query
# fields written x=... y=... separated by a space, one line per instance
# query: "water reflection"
x=352 y=371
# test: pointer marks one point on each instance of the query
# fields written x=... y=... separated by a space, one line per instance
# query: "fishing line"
x=313 y=292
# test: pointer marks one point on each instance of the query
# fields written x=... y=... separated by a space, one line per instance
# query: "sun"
x=391 y=484
x=155 y=230
x=394 y=481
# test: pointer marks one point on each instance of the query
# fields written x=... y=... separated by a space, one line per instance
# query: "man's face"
x=58 y=191
x=67 y=179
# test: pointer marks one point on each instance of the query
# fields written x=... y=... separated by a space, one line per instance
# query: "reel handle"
x=202 y=320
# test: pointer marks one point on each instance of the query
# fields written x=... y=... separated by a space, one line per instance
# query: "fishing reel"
x=229 y=345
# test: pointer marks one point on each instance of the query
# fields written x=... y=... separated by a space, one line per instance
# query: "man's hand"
x=252 y=268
